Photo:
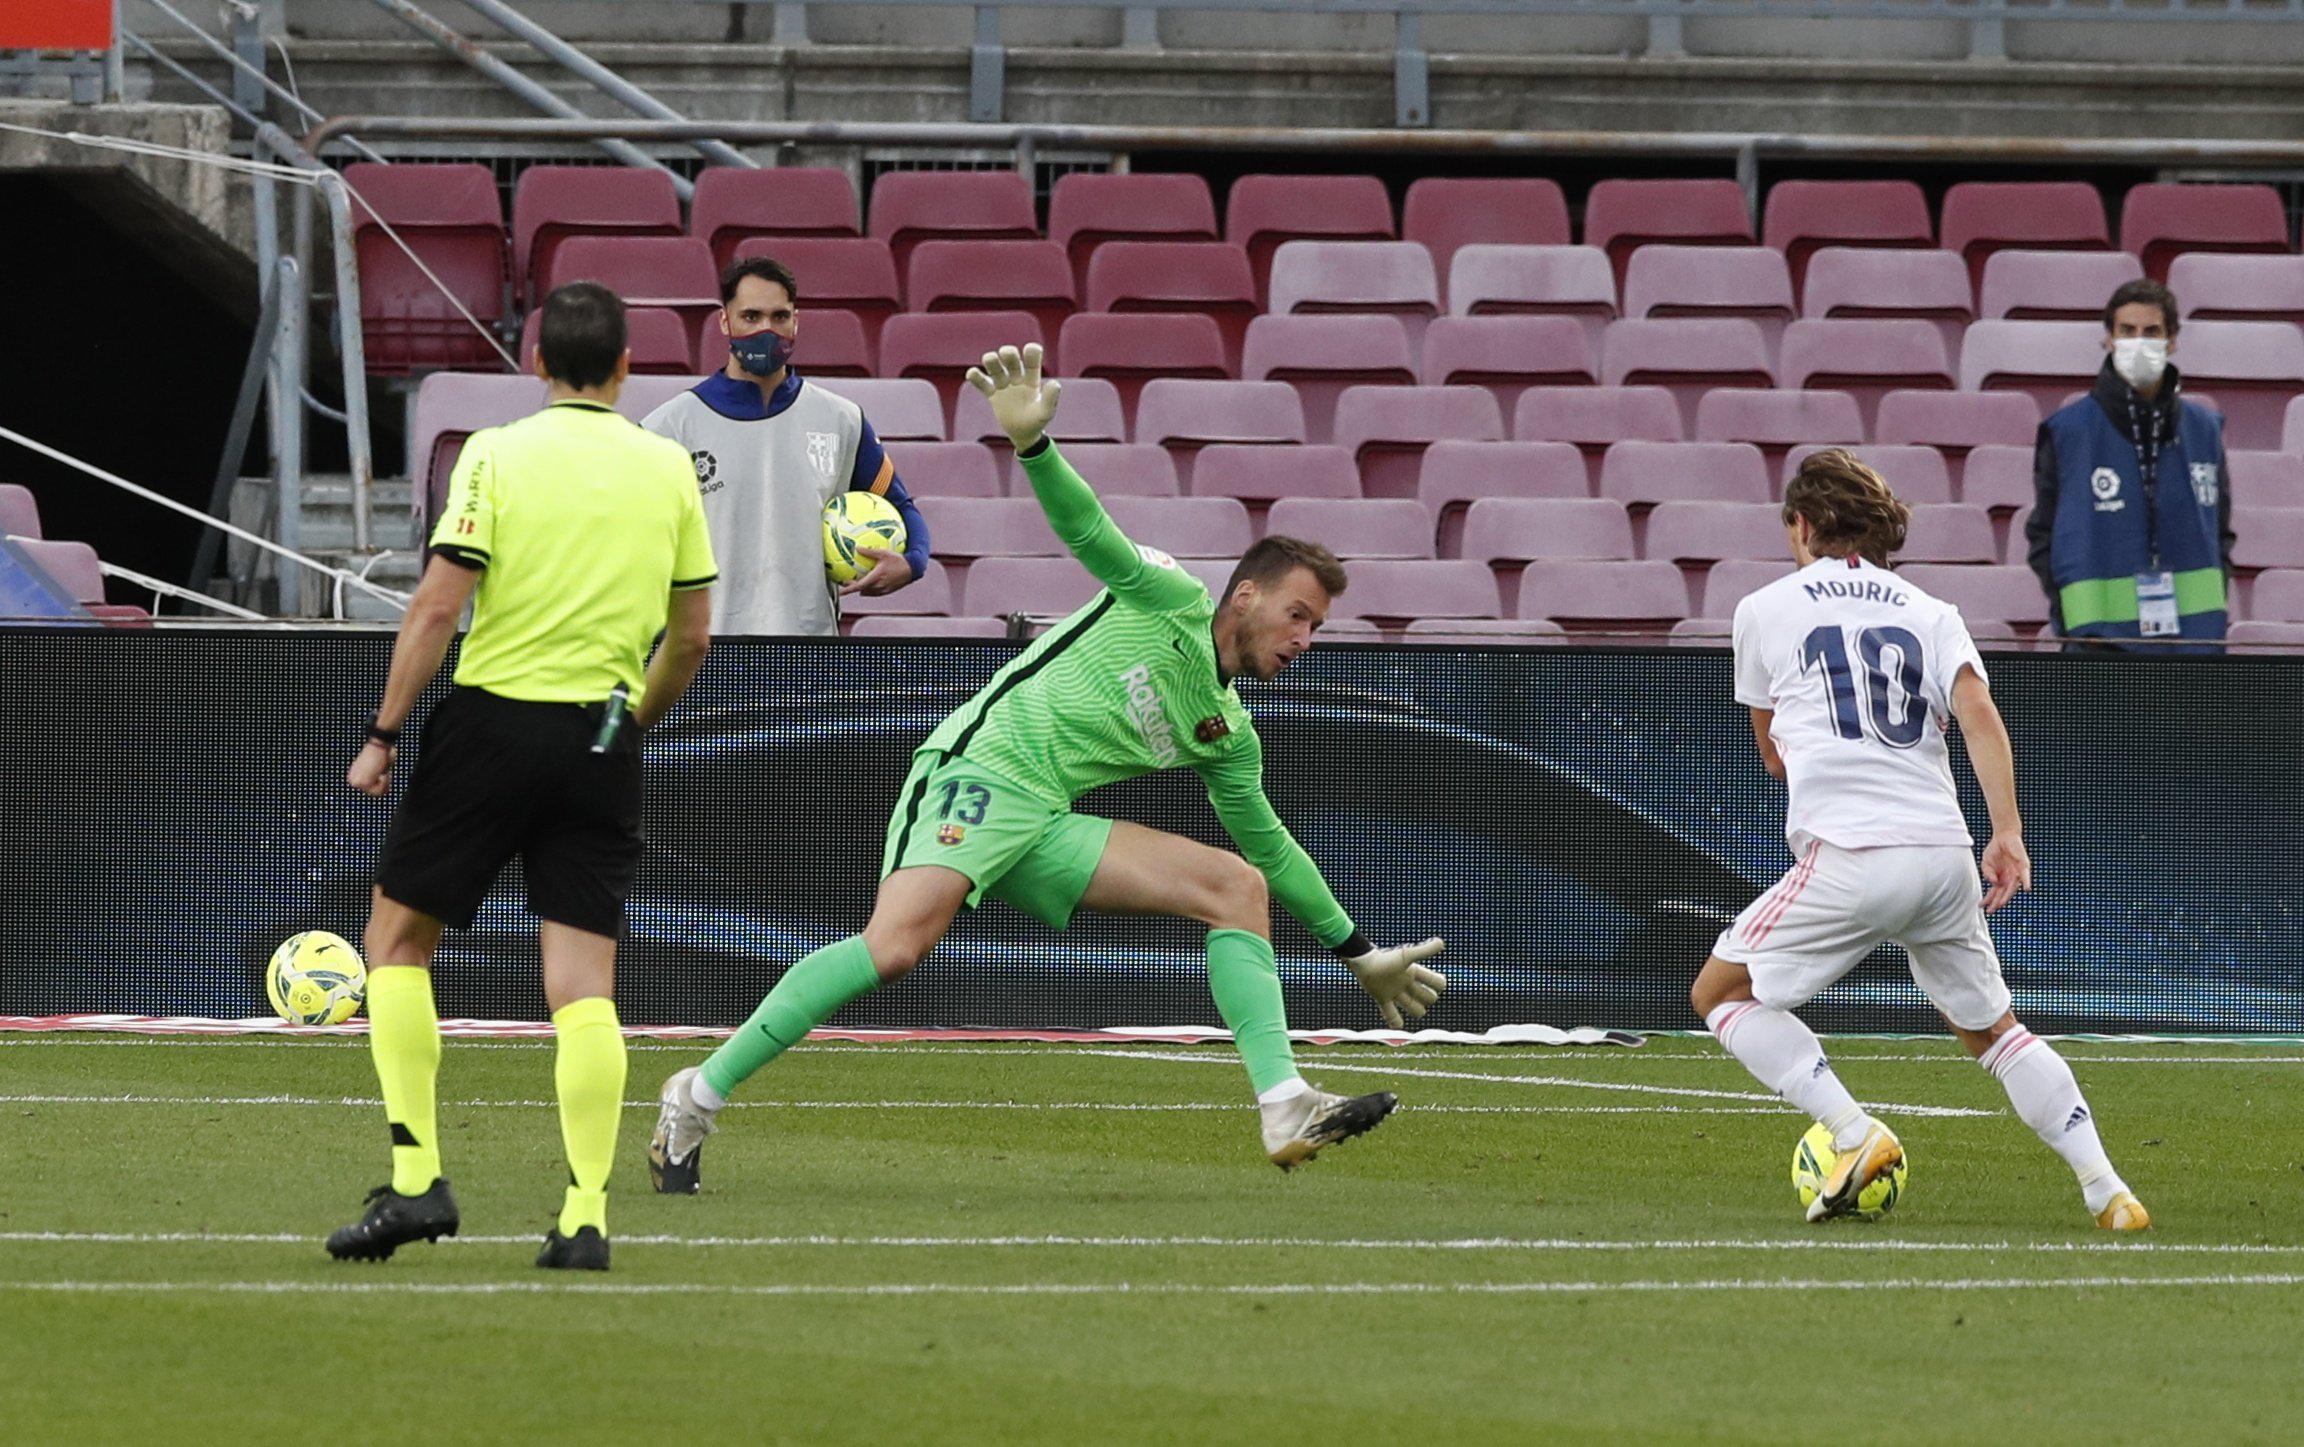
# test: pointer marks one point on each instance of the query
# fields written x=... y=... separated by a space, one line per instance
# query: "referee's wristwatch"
x=378 y=734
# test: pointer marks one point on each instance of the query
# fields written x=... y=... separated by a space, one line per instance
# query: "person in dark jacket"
x=2131 y=529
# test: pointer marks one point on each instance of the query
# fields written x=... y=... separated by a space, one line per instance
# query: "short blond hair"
x=1849 y=506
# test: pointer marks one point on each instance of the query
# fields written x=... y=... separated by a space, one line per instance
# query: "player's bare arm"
x=687 y=638
x=2007 y=867
x=425 y=632
x=1772 y=761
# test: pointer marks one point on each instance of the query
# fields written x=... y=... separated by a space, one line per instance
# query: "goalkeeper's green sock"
x=589 y=1075
x=1245 y=979
x=404 y=1040
x=810 y=993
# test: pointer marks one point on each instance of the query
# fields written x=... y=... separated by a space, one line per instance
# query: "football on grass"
x=1812 y=1162
x=316 y=978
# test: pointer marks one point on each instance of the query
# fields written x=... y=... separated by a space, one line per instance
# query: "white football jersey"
x=1859 y=666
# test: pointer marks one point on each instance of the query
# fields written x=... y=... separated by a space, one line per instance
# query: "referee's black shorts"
x=498 y=777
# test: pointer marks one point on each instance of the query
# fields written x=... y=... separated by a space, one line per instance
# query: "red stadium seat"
x=2006 y=592
x=1999 y=477
x=1446 y=213
x=2212 y=287
x=2265 y=479
x=837 y=273
x=1090 y=208
x=1594 y=417
x=899 y=409
x=73 y=567
x=733 y=205
x=946 y=469
x=1688 y=357
x=1621 y=216
x=2254 y=368
x=1186 y=527
x=1522 y=529
x=1264 y=211
x=2043 y=360
x=1386 y=429
x=1949 y=533
x=1776 y=422
x=653 y=271
x=1394 y=278
x=896 y=625
x=19 y=512
x=1203 y=278
x=1129 y=469
x=1456 y=474
x=1690 y=532
x=1642 y=474
x=1392 y=592
x=1567 y=281
x=1128 y=350
x=2160 y=222
x=550 y=204
x=1508 y=355
x=1865 y=359
x=1711 y=281
x=657 y=337
x=1916 y=474
x=968 y=528
x=451 y=406
x=1185 y=415
x=1846 y=283
x=1481 y=632
x=1643 y=597
x=1981 y=217
x=2282 y=639
x=452 y=219
x=983 y=276
x=1261 y=476
x=2277 y=596
x=1954 y=422
x=2053 y=286
x=2268 y=538
x=1732 y=580
x=941 y=347
x=1043 y=587
x=1354 y=528
x=1803 y=217
x=1322 y=355
x=909 y=207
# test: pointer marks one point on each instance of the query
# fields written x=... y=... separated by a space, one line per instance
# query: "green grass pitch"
x=1010 y=1242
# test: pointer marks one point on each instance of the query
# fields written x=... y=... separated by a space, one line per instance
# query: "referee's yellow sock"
x=404 y=1040
x=589 y=1074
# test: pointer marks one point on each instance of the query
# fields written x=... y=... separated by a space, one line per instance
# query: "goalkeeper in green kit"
x=1138 y=680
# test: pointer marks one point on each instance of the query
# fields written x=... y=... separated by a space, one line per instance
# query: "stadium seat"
x=2282 y=639
x=1981 y=217
x=837 y=273
x=1916 y=474
x=73 y=567
x=1572 y=281
x=1128 y=469
x=1850 y=284
x=1392 y=278
x=1455 y=475
x=2158 y=222
x=1954 y=422
x=946 y=469
x=2042 y=360
x=1642 y=474
x=1508 y=355
x=2003 y=591
x=1091 y=413
x=551 y=204
x=1730 y=580
x=1481 y=632
x=1949 y=533
x=1185 y=415
x=451 y=406
x=897 y=625
x=2292 y=427
x=2277 y=596
x=1447 y=213
x=654 y=271
x=658 y=338
x=1711 y=281
x=1777 y=422
x=1687 y=357
x=909 y=207
x=1522 y=529
x=931 y=594
x=2265 y=479
x=2014 y=546
x=2053 y=286
x=1203 y=278
x=643 y=395
x=2267 y=538
x=1604 y=597
x=831 y=344
x=968 y=528
x=940 y=347
x=1262 y=476
x=1867 y=359
x=1215 y=574
x=2212 y=287
x=733 y=205
x=1393 y=592
x=1128 y=350
x=1700 y=633
x=1322 y=355
x=1264 y=211
x=1386 y=429
x=1043 y=587
x=1999 y=477
x=1595 y=417
x=899 y=409
x=1090 y=208
x=19 y=512
x=2254 y=368
x=1689 y=533
x=1621 y=216
x=1186 y=527
x=1354 y=528
x=992 y=276
x=452 y=219
x=1801 y=218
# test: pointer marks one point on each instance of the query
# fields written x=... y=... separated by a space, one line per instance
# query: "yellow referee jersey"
x=584 y=524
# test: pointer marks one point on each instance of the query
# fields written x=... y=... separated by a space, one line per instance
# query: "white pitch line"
x=1127 y=1288
x=370 y=1102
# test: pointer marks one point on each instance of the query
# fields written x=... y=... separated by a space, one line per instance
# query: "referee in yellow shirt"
x=578 y=537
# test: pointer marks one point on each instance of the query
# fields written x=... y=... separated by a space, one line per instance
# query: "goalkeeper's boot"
x=2124 y=1213
x=587 y=1250
x=1853 y=1170
x=676 y=1148
x=393 y=1220
x=1300 y=1127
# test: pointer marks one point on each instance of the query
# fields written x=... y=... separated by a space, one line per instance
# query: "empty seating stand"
x=1594 y=418
x=2214 y=287
x=1088 y=209
x=1263 y=212
x=853 y=274
x=1211 y=279
x=1394 y=278
x=909 y=207
x=1447 y=213
x=2159 y=223
x=1847 y=283
x=451 y=218
x=1508 y=355
x=1456 y=474
x=551 y=204
x=1803 y=217
x=1981 y=217
x=1323 y=355
x=733 y=205
x=1386 y=429
x=1621 y=216
x=2053 y=286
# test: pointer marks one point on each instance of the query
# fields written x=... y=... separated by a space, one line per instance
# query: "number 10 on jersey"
x=1882 y=689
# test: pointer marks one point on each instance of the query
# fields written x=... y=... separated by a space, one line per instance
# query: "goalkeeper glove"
x=1022 y=403
x=1398 y=980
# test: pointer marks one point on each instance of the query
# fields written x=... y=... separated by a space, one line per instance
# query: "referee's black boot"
x=587 y=1250
x=394 y=1220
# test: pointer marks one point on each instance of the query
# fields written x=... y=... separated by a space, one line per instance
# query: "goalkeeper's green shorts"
x=1010 y=844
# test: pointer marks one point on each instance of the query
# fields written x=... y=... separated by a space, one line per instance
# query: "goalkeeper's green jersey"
x=1129 y=685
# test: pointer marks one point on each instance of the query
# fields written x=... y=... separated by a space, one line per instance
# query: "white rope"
x=398 y=600
x=173 y=590
x=158 y=151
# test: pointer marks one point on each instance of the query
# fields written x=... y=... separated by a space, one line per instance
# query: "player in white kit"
x=1851 y=674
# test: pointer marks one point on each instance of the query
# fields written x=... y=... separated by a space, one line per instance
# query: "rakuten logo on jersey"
x=1151 y=716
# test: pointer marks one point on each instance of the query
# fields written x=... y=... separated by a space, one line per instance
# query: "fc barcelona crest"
x=1209 y=730
x=951 y=833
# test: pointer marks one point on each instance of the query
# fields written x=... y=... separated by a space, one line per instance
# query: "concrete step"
x=326 y=520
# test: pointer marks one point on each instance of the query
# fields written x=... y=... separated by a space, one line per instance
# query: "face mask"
x=2140 y=360
x=762 y=354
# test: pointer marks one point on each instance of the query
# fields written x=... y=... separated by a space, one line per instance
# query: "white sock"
x=1786 y=1056
x=701 y=1092
x=1285 y=1091
x=2047 y=1098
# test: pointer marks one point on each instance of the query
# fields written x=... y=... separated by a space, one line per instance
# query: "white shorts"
x=1835 y=906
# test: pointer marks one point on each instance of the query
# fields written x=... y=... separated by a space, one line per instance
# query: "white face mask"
x=2140 y=360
